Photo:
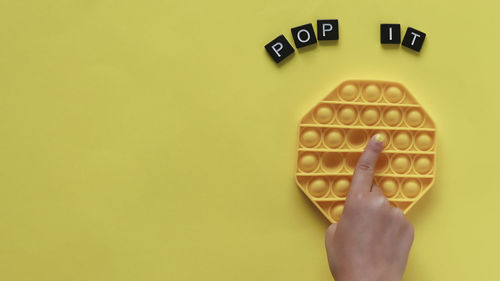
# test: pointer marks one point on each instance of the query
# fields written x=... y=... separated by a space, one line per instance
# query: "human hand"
x=372 y=239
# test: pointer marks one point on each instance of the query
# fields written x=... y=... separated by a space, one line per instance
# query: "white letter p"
x=277 y=47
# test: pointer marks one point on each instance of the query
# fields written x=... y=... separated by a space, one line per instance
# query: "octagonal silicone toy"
x=333 y=134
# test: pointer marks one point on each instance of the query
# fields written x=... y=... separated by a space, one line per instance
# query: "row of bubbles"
x=369 y=115
x=371 y=92
x=336 y=162
x=337 y=187
x=339 y=138
x=329 y=187
x=406 y=188
x=335 y=209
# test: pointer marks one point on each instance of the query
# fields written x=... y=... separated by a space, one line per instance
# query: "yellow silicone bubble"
x=393 y=94
x=370 y=116
x=423 y=141
x=308 y=162
x=371 y=93
x=423 y=165
x=349 y=92
x=389 y=187
x=392 y=116
x=401 y=164
x=332 y=162
x=402 y=140
x=324 y=114
x=411 y=188
x=310 y=137
x=334 y=138
x=347 y=115
x=336 y=211
x=414 y=118
x=357 y=138
x=341 y=187
x=318 y=187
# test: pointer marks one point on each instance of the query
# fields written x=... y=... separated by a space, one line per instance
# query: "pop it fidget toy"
x=333 y=134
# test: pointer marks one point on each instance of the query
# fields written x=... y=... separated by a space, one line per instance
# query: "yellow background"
x=156 y=140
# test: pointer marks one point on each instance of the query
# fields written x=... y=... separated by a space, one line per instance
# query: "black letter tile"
x=328 y=30
x=279 y=48
x=413 y=39
x=303 y=35
x=390 y=33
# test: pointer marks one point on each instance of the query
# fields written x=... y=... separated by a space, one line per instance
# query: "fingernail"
x=379 y=138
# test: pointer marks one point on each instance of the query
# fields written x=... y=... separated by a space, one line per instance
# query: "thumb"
x=329 y=242
x=330 y=233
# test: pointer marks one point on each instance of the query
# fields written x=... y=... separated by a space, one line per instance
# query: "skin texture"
x=372 y=239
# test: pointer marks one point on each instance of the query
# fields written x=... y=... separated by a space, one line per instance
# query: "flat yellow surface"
x=156 y=140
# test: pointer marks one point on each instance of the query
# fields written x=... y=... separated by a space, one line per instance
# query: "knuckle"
x=356 y=201
x=364 y=165
x=375 y=203
x=360 y=197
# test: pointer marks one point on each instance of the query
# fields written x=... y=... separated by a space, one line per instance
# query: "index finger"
x=363 y=174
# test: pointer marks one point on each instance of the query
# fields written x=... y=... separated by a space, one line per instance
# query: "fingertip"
x=375 y=145
x=378 y=141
